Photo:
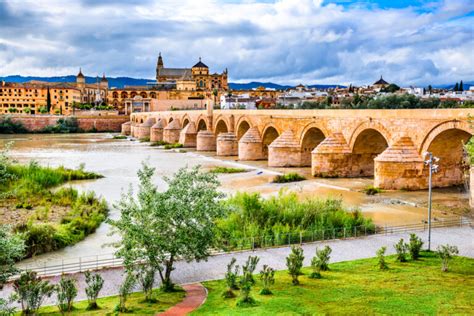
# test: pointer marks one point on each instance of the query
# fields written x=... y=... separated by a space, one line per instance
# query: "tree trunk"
x=167 y=285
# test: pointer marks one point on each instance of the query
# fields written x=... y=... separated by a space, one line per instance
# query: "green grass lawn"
x=135 y=304
x=359 y=288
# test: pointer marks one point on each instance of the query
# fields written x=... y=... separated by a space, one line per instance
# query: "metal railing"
x=97 y=262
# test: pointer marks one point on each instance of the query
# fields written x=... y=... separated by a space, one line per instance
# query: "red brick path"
x=196 y=294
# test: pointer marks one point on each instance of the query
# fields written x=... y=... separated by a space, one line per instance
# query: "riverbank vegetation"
x=284 y=218
x=45 y=217
x=227 y=170
x=288 y=177
x=359 y=287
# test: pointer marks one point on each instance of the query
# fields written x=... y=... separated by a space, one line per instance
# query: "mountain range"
x=120 y=82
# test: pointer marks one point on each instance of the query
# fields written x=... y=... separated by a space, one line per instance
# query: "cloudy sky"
x=287 y=41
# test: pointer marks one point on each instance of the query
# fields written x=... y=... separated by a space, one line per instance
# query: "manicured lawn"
x=135 y=304
x=359 y=288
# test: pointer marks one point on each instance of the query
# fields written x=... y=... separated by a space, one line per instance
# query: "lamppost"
x=433 y=168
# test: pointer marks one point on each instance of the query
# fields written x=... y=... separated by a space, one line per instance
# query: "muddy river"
x=119 y=160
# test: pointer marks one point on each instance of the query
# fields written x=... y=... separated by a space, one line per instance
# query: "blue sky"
x=287 y=41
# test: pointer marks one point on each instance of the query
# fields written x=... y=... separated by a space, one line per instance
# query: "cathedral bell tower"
x=159 y=66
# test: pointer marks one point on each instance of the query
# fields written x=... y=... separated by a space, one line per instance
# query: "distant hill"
x=120 y=82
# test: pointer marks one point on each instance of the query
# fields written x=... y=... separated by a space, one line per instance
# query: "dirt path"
x=196 y=294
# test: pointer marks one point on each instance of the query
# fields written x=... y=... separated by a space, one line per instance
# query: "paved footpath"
x=342 y=250
x=196 y=294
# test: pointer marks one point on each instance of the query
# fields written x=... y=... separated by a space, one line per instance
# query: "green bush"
x=401 y=248
x=294 y=263
x=66 y=291
x=159 y=143
x=320 y=262
x=63 y=125
x=446 y=252
x=381 y=258
x=289 y=177
x=371 y=190
x=231 y=279
x=31 y=292
x=120 y=137
x=94 y=283
x=172 y=146
x=8 y=126
x=267 y=275
x=415 y=246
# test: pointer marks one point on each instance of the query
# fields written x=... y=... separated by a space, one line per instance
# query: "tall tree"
x=456 y=87
x=48 y=101
x=461 y=86
x=430 y=88
x=159 y=227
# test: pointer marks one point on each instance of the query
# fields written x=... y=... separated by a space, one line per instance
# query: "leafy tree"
x=12 y=247
x=67 y=291
x=124 y=291
x=231 y=278
x=320 y=261
x=32 y=292
x=94 y=282
x=446 y=252
x=6 y=306
x=401 y=248
x=391 y=88
x=415 y=246
x=381 y=258
x=247 y=281
x=158 y=227
x=146 y=278
x=294 y=263
x=267 y=275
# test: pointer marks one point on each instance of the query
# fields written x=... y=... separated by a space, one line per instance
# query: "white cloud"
x=289 y=41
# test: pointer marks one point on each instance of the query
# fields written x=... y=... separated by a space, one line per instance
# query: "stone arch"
x=143 y=94
x=133 y=94
x=124 y=95
x=202 y=124
x=115 y=95
x=242 y=127
x=270 y=133
x=185 y=119
x=368 y=144
x=446 y=141
x=221 y=127
x=312 y=136
x=369 y=125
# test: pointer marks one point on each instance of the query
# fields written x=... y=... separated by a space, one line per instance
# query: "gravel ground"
x=342 y=250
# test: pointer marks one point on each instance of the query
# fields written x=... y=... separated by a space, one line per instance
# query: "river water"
x=119 y=161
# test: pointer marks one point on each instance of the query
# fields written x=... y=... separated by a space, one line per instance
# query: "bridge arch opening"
x=448 y=147
x=185 y=122
x=170 y=120
x=202 y=126
x=221 y=127
x=244 y=126
x=311 y=139
x=269 y=135
x=369 y=144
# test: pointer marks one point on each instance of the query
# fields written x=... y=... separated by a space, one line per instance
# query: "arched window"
x=201 y=84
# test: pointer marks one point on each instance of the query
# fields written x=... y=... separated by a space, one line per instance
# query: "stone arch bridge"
x=385 y=144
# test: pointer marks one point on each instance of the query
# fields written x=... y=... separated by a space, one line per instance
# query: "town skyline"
x=284 y=42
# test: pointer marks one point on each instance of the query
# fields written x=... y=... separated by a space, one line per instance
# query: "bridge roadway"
x=385 y=144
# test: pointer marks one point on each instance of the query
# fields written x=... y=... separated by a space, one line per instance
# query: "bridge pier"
x=227 y=145
x=171 y=132
x=126 y=128
x=400 y=167
x=188 y=134
x=284 y=151
x=332 y=158
x=133 y=129
x=156 y=131
x=144 y=129
x=206 y=141
x=251 y=145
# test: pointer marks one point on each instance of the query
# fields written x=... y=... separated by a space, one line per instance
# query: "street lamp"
x=431 y=162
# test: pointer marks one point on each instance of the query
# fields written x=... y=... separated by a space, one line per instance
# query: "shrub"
x=289 y=177
x=6 y=306
x=381 y=258
x=371 y=190
x=172 y=146
x=415 y=246
x=32 y=292
x=267 y=275
x=159 y=143
x=124 y=291
x=146 y=278
x=8 y=126
x=11 y=249
x=94 y=284
x=120 y=137
x=401 y=248
x=446 y=252
x=294 y=263
x=247 y=281
x=67 y=291
x=320 y=261
x=231 y=279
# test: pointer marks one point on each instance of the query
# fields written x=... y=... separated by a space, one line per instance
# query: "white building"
x=243 y=101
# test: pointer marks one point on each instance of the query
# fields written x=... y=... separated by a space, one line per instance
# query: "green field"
x=360 y=288
x=135 y=304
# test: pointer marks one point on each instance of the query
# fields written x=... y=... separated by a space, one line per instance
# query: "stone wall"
x=87 y=123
